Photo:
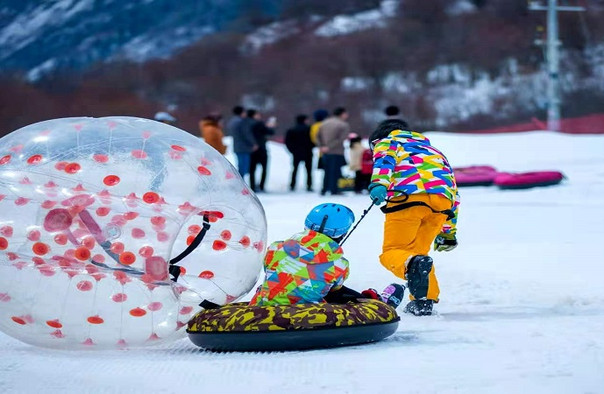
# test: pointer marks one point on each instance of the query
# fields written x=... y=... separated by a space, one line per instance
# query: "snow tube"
x=528 y=179
x=475 y=175
x=241 y=327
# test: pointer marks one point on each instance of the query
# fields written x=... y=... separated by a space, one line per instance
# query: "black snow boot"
x=418 y=270
x=419 y=307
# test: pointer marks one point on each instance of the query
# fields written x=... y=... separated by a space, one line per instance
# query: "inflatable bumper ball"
x=114 y=230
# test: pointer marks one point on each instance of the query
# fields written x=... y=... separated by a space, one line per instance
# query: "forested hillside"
x=451 y=65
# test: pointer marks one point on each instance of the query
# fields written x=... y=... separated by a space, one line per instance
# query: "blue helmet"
x=333 y=220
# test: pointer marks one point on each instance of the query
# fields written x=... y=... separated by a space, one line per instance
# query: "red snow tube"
x=475 y=175
x=528 y=179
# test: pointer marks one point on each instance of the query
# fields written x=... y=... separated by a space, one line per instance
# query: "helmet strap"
x=338 y=239
x=323 y=222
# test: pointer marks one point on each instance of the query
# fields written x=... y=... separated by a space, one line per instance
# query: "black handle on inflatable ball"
x=196 y=241
x=365 y=212
x=205 y=304
x=174 y=269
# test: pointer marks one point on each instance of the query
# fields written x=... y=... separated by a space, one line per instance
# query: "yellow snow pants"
x=411 y=232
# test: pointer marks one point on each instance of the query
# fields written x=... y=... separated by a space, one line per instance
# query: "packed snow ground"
x=522 y=302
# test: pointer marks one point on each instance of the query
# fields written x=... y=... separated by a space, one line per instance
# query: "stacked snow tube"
x=475 y=175
x=241 y=327
x=527 y=180
x=346 y=184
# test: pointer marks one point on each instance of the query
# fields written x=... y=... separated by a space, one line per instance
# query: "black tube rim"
x=321 y=328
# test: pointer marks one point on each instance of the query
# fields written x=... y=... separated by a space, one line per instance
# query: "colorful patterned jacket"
x=302 y=269
x=406 y=162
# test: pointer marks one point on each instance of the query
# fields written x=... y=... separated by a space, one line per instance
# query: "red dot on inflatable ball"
x=100 y=158
x=206 y=275
x=138 y=312
x=203 y=170
x=111 y=180
x=226 y=235
x=72 y=168
x=219 y=245
x=95 y=320
x=150 y=197
x=35 y=159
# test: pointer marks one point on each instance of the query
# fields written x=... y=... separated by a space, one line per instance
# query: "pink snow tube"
x=475 y=175
x=528 y=179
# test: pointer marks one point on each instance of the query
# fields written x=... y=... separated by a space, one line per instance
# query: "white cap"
x=164 y=117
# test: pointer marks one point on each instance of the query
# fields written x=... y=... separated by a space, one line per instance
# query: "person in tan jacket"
x=330 y=139
x=211 y=131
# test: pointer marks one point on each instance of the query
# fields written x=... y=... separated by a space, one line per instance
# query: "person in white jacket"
x=361 y=180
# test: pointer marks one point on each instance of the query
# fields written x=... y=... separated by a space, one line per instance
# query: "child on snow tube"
x=419 y=185
x=310 y=267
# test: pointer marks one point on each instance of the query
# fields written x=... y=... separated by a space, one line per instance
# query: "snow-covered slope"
x=521 y=306
x=41 y=36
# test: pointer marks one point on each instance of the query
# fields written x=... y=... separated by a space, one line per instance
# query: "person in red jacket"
x=361 y=162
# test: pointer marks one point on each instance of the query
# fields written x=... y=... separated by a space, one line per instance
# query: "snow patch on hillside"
x=457 y=92
x=258 y=101
x=467 y=95
x=29 y=26
x=355 y=84
x=38 y=72
x=347 y=24
x=270 y=34
x=595 y=58
x=461 y=7
x=151 y=45
x=400 y=82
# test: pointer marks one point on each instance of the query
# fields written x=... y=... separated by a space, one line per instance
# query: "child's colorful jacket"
x=406 y=162
x=302 y=269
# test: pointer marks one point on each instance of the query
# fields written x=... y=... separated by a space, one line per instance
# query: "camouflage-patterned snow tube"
x=240 y=327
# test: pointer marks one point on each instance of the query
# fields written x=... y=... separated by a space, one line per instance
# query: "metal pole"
x=553 y=66
x=553 y=59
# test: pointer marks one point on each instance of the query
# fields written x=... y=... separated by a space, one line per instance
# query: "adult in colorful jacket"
x=422 y=207
x=309 y=265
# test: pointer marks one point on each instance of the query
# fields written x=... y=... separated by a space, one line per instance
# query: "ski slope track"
x=522 y=302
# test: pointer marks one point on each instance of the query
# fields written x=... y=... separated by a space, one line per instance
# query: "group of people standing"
x=325 y=131
x=328 y=133
x=250 y=133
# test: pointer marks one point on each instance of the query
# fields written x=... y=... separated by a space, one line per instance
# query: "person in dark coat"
x=239 y=127
x=259 y=157
x=298 y=142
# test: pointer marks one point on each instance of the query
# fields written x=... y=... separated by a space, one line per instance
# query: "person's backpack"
x=367 y=162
